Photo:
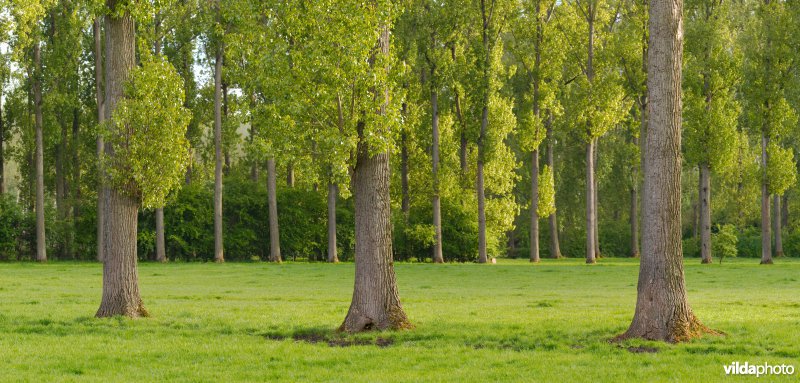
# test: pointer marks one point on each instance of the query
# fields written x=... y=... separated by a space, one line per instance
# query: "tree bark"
x=376 y=301
x=590 y=213
x=41 y=248
x=555 y=247
x=2 y=142
x=778 y=234
x=662 y=311
x=333 y=191
x=120 y=277
x=76 y=175
x=437 y=207
x=290 y=175
x=785 y=210
x=405 y=202
x=161 y=255
x=100 y=98
x=218 y=239
x=766 y=237
x=597 y=253
x=705 y=213
x=274 y=236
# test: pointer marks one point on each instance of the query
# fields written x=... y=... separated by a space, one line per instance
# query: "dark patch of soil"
x=642 y=350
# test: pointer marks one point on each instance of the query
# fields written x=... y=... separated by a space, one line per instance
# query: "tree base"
x=766 y=261
x=557 y=256
x=779 y=254
x=591 y=261
x=130 y=311
x=355 y=321
x=536 y=260
x=706 y=261
x=677 y=331
x=219 y=260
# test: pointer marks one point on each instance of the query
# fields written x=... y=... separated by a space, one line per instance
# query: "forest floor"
x=512 y=321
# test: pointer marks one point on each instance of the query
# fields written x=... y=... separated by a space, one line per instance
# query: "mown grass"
x=507 y=322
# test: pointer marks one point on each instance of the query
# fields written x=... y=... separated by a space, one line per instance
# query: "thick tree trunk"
x=120 y=279
x=534 y=234
x=120 y=276
x=766 y=237
x=705 y=213
x=333 y=191
x=555 y=247
x=376 y=301
x=778 y=235
x=161 y=255
x=41 y=248
x=590 y=213
x=437 y=207
x=100 y=98
x=274 y=234
x=662 y=311
x=218 y=239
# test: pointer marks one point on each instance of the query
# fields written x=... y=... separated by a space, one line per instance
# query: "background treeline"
x=535 y=103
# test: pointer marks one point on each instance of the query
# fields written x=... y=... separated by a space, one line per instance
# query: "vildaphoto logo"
x=746 y=368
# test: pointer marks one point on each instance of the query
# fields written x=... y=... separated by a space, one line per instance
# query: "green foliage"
x=781 y=168
x=413 y=237
x=12 y=227
x=150 y=147
x=724 y=241
x=547 y=193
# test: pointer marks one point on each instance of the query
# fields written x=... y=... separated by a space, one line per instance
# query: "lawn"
x=512 y=321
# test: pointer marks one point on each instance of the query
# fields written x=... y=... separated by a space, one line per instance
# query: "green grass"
x=507 y=322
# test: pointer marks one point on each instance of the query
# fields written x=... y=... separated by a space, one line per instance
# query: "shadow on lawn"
x=316 y=335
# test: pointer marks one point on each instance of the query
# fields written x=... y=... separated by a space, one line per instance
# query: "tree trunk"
x=766 y=237
x=437 y=207
x=333 y=191
x=662 y=311
x=218 y=239
x=161 y=255
x=41 y=248
x=555 y=247
x=590 y=213
x=778 y=234
x=534 y=240
x=120 y=279
x=376 y=301
x=76 y=169
x=597 y=253
x=482 y=254
x=634 y=217
x=290 y=175
x=785 y=210
x=100 y=98
x=274 y=236
x=705 y=213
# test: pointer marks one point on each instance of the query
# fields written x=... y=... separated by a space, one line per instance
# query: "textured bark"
x=597 y=253
x=705 y=213
x=766 y=236
x=333 y=191
x=555 y=247
x=662 y=311
x=785 y=210
x=120 y=278
x=534 y=235
x=590 y=213
x=161 y=255
x=634 y=221
x=100 y=98
x=41 y=248
x=777 y=229
x=437 y=206
x=274 y=234
x=376 y=301
x=405 y=201
x=218 y=239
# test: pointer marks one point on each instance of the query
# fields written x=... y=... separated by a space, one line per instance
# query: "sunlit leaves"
x=147 y=134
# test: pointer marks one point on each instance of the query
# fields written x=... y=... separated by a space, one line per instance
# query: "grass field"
x=483 y=323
